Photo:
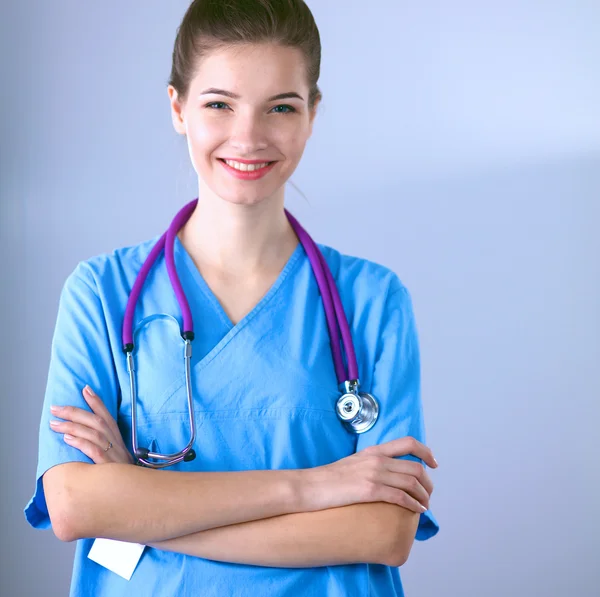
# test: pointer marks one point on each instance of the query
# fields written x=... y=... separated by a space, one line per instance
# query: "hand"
x=91 y=432
x=374 y=475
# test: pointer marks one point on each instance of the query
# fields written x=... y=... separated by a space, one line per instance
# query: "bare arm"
x=136 y=504
x=128 y=503
x=374 y=532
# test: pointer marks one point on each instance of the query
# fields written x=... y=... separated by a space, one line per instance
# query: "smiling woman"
x=225 y=124
x=286 y=458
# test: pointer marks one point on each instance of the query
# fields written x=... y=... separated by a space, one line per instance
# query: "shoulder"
x=115 y=267
x=378 y=307
x=366 y=280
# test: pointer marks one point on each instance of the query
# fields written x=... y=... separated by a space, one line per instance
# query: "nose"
x=248 y=134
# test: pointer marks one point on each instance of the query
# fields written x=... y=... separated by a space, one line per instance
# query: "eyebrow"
x=279 y=96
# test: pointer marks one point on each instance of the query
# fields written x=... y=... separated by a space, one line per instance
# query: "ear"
x=176 y=111
x=312 y=115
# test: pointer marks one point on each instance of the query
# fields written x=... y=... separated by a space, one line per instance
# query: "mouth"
x=251 y=171
x=246 y=162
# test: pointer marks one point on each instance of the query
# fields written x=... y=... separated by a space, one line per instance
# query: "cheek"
x=291 y=137
x=202 y=141
x=293 y=148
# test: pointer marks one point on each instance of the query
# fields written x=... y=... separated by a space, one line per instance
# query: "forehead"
x=252 y=70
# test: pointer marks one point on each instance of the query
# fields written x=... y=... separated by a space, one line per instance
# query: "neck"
x=238 y=240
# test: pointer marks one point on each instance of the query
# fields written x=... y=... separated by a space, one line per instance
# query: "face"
x=250 y=126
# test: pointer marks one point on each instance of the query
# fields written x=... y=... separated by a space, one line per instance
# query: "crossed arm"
x=374 y=532
x=80 y=496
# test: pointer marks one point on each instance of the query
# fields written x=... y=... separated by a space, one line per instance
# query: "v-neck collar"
x=180 y=252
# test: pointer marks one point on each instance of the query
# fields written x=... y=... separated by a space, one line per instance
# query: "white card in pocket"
x=120 y=557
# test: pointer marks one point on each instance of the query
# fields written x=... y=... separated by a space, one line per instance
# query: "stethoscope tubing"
x=335 y=315
x=337 y=325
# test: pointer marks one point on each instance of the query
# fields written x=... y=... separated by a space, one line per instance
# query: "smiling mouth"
x=248 y=167
x=248 y=172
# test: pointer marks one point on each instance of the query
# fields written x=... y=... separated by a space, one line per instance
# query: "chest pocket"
x=280 y=418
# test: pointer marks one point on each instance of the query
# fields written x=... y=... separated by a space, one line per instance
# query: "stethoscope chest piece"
x=358 y=411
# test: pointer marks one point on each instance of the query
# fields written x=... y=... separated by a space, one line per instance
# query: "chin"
x=241 y=198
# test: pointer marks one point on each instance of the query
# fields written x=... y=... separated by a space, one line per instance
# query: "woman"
x=281 y=498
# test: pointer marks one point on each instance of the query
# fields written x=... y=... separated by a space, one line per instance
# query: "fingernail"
x=68 y=437
x=53 y=423
x=87 y=389
x=423 y=508
x=54 y=409
x=436 y=462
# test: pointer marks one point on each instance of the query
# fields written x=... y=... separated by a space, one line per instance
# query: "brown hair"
x=214 y=24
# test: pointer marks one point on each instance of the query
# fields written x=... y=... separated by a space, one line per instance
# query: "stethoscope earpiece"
x=141 y=453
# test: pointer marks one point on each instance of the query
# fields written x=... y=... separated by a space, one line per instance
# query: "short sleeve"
x=80 y=355
x=396 y=384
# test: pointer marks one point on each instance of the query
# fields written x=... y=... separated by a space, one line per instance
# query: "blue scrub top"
x=265 y=392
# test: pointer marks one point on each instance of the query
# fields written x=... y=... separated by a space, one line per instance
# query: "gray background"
x=458 y=143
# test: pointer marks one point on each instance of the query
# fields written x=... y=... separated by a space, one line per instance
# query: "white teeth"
x=245 y=167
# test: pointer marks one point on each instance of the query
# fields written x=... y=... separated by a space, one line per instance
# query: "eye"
x=291 y=109
x=288 y=109
x=215 y=104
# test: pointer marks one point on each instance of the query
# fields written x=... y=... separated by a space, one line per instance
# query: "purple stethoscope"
x=358 y=411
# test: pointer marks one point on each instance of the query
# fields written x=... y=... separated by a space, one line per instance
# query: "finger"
x=409 y=484
x=415 y=469
x=98 y=407
x=407 y=445
x=91 y=450
x=84 y=417
x=401 y=498
x=81 y=431
x=94 y=444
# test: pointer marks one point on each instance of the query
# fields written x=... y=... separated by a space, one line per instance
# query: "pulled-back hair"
x=210 y=25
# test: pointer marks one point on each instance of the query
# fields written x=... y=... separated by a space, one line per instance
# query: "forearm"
x=136 y=504
x=358 y=533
